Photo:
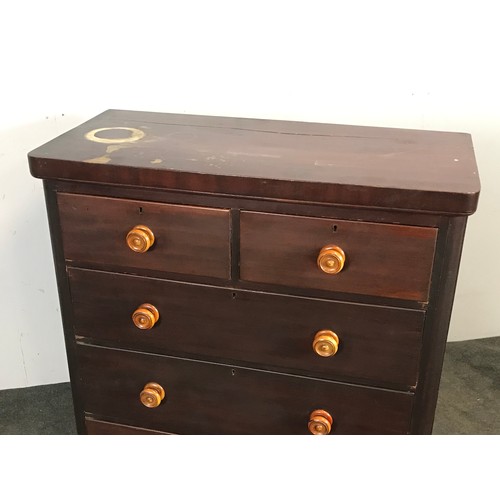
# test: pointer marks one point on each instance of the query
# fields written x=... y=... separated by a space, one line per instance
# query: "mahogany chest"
x=242 y=276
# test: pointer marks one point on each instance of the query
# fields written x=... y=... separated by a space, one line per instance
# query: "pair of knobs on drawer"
x=331 y=258
x=325 y=343
x=320 y=421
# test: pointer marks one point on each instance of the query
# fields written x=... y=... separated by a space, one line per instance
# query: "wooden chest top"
x=387 y=168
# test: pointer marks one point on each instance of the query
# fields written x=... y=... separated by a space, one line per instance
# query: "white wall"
x=430 y=65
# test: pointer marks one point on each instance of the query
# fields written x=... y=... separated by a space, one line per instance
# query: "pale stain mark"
x=256 y=155
x=117 y=147
x=112 y=148
x=100 y=159
x=156 y=161
x=114 y=144
x=319 y=163
x=135 y=135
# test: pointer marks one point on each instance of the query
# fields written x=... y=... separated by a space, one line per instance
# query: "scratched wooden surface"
x=378 y=345
x=321 y=163
x=316 y=177
x=377 y=255
x=210 y=398
x=94 y=230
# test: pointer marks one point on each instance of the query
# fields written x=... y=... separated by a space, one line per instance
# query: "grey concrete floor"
x=469 y=397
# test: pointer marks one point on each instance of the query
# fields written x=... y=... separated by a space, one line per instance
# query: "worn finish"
x=315 y=209
x=221 y=275
x=188 y=240
x=212 y=398
x=100 y=427
x=283 y=250
x=469 y=397
x=341 y=164
x=320 y=422
x=437 y=324
x=378 y=345
x=64 y=302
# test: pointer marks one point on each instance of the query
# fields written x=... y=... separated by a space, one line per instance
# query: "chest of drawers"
x=239 y=276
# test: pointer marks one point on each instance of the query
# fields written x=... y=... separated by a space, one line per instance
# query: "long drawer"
x=376 y=345
x=208 y=398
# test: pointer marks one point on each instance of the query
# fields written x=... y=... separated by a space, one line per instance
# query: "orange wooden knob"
x=145 y=316
x=331 y=259
x=140 y=239
x=326 y=343
x=152 y=395
x=320 y=422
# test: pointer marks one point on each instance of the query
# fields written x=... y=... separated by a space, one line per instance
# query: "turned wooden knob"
x=152 y=395
x=140 y=239
x=326 y=343
x=320 y=422
x=331 y=259
x=145 y=316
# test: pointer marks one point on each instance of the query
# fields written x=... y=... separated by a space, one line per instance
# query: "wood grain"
x=63 y=289
x=381 y=259
x=100 y=427
x=188 y=240
x=437 y=324
x=207 y=398
x=336 y=164
x=378 y=345
x=234 y=349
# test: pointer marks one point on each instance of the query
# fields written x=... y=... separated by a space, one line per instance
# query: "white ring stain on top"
x=136 y=135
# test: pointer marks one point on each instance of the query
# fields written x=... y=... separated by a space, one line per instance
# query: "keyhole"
x=140 y=210
x=233 y=372
x=334 y=228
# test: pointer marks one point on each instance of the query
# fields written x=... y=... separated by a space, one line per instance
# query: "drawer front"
x=187 y=240
x=207 y=398
x=377 y=345
x=104 y=428
x=384 y=260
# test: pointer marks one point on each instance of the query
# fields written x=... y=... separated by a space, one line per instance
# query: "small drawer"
x=385 y=260
x=191 y=397
x=375 y=345
x=129 y=234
